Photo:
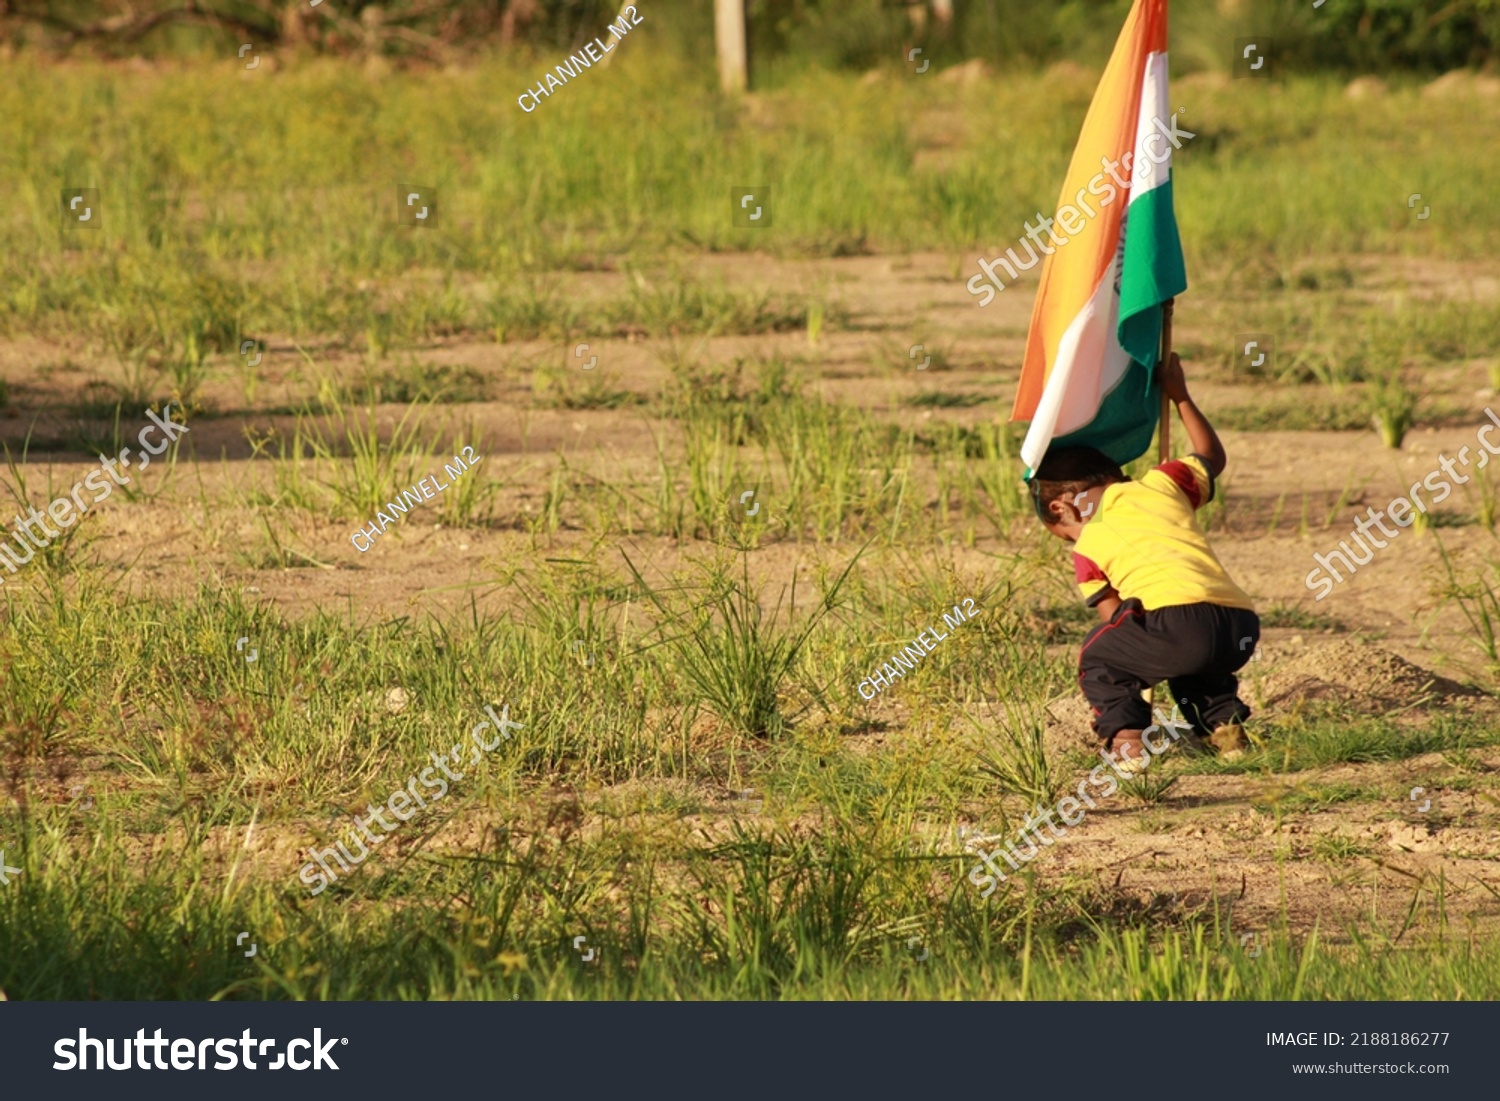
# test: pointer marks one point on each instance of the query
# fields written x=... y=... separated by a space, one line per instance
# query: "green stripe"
x=1151 y=273
x=1126 y=420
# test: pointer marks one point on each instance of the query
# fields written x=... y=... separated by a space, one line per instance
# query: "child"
x=1169 y=610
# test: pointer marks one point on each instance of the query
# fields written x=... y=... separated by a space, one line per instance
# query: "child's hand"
x=1173 y=381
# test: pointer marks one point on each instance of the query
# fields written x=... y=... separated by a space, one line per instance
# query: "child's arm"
x=1204 y=439
x=1108 y=604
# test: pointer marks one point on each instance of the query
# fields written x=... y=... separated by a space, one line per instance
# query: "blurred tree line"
x=1367 y=36
x=1350 y=36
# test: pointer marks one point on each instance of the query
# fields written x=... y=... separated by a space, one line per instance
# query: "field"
x=676 y=552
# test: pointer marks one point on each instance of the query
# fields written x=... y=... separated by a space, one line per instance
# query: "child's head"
x=1062 y=476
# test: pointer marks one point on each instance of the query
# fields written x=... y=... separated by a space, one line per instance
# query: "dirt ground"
x=1210 y=836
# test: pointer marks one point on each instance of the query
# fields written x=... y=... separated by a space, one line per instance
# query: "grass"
x=658 y=686
x=1301 y=414
x=775 y=907
x=1315 y=797
x=412 y=380
x=737 y=658
x=1284 y=615
x=780 y=917
x=1320 y=740
x=1476 y=598
x=167 y=284
x=1337 y=849
x=940 y=399
x=1393 y=407
x=1149 y=788
x=1020 y=765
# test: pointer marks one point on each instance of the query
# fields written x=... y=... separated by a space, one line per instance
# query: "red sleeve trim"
x=1183 y=476
x=1213 y=482
x=1084 y=570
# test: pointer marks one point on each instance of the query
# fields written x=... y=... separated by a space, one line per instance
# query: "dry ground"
x=1366 y=849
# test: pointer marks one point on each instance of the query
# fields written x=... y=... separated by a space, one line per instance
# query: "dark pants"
x=1195 y=648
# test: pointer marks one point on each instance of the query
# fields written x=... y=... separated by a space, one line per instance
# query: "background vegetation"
x=1374 y=36
x=150 y=777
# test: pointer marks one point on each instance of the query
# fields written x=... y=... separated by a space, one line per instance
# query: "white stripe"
x=1146 y=174
x=1069 y=403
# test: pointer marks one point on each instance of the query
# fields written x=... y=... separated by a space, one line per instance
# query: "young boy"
x=1170 y=611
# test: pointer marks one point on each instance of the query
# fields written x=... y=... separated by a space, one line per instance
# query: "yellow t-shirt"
x=1144 y=540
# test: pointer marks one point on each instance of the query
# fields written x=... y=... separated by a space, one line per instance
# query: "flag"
x=1088 y=376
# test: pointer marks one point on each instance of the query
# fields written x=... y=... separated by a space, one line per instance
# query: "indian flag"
x=1096 y=326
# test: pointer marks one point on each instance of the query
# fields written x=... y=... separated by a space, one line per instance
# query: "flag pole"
x=1164 y=434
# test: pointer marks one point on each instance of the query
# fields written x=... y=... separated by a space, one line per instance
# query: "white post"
x=729 y=33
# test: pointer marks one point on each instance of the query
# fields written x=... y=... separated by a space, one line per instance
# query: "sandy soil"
x=1209 y=836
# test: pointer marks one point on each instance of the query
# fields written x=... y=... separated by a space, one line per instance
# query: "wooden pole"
x=1164 y=432
x=729 y=34
x=604 y=61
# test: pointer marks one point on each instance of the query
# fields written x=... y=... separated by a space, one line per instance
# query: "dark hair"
x=1070 y=470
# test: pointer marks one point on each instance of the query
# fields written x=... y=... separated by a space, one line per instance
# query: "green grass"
x=1337 y=849
x=276 y=171
x=1294 y=415
x=941 y=399
x=792 y=914
x=1321 y=738
x=737 y=658
x=1315 y=797
x=657 y=671
x=192 y=747
x=1284 y=615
